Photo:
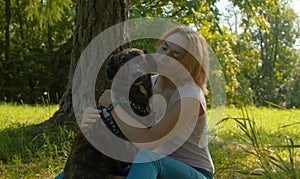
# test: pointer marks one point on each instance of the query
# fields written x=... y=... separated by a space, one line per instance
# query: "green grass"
x=27 y=154
x=24 y=153
x=250 y=144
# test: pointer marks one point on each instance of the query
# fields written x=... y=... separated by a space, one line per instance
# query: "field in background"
x=257 y=142
x=241 y=146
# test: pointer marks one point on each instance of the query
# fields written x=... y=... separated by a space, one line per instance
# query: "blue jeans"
x=164 y=167
x=60 y=175
x=160 y=166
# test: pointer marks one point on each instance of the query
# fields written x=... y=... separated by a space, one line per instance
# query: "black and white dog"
x=85 y=161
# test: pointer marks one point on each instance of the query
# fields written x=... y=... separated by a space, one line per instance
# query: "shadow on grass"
x=30 y=151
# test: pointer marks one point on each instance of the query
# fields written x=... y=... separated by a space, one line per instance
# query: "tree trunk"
x=92 y=17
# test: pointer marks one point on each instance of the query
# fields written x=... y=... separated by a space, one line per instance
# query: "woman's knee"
x=145 y=155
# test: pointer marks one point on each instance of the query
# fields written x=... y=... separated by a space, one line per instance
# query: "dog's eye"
x=122 y=60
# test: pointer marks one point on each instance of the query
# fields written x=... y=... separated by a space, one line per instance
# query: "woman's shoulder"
x=191 y=90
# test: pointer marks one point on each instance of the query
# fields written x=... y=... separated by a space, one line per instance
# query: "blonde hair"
x=196 y=61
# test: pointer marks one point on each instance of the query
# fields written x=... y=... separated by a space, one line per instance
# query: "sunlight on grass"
x=43 y=155
x=25 y=154
x=247 y=146
x=11 y=114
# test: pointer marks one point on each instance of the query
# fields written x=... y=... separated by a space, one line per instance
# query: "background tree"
x=7 y=31
x=255 y=45
x=92 y=17
x=266 y=48
x=37 y=45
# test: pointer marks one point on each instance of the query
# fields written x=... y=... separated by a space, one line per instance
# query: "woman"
x=180 y=135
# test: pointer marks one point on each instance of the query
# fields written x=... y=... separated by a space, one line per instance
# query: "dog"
x=85 y=161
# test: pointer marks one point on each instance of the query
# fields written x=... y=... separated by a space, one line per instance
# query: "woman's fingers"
x=88 y=120
x=89 y=116
x=90 y=110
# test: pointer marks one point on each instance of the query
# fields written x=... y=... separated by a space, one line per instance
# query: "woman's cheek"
x=167 y=65
x=169 y=69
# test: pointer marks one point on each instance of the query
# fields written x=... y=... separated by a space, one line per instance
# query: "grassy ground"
x=240 y=148
x=260 y=146
x=25 y=154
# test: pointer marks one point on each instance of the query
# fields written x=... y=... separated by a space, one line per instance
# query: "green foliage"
x=46 y=11
x=222 y=47
x=266 y=49
x=40 y=48
x=186 y=12
x=255 y=56
x=256 y=48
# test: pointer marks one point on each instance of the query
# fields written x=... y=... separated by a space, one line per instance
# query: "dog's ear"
x=111 y=69
x=145 y=51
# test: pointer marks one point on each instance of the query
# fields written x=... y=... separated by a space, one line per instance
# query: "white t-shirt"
x=191 y=144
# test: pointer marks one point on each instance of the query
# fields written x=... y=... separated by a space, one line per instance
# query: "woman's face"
x=169 y=52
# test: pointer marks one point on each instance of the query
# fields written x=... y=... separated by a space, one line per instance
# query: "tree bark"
x=92 y=17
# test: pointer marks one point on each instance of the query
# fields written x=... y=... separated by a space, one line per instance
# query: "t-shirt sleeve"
x=189 y=90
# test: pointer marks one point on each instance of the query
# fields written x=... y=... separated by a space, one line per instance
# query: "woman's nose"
x=167 y=53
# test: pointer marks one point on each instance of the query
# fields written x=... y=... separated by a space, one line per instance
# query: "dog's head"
x=141 y=89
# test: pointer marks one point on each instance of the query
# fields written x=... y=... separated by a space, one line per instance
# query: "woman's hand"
x=105 y=99
x=89 y=117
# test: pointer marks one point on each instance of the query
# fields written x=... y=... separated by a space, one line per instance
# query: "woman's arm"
x=174 y=120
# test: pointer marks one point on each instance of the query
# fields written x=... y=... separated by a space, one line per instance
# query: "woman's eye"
x=175 y=56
